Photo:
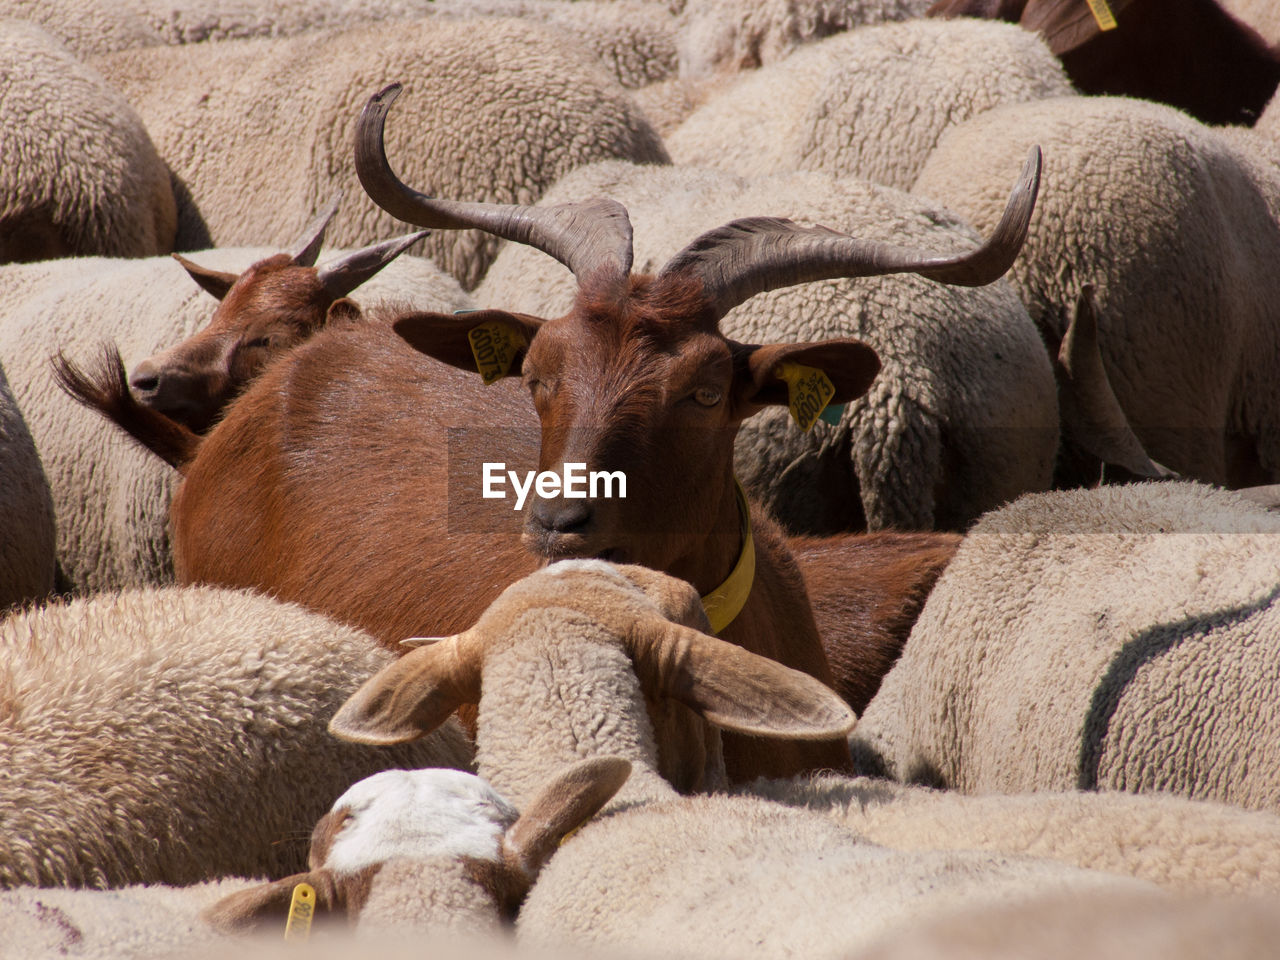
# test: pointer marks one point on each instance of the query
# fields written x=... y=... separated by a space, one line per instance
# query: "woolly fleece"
x=80 y=175
x=178 y=735
x=26 y=510
x=964 y=407
x=1123 y=638
x=110 y=497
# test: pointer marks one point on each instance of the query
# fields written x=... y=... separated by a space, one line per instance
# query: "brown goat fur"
x=1191 y=54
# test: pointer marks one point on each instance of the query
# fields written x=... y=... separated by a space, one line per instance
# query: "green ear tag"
x=494 y=346
x=832 y=413
x=808 y=392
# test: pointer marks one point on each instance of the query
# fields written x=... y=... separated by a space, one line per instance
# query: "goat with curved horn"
x=589 y=237
x=750 y=256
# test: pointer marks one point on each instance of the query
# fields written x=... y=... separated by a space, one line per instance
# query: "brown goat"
x=272 y=306
x=347 y=477
x=1191 y=54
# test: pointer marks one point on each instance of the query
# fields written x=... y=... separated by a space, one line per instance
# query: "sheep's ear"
x=489 y=342
x=411 y=697
x=266 y=907
x=565 y=803
x=735 y=689
x=214 y=282
x=678 y=600
x=762 y=377
x=342 y=310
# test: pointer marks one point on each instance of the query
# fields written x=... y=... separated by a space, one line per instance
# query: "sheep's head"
x=271 y=307
x=568 y=657
x=637 y=378
x=429 y=849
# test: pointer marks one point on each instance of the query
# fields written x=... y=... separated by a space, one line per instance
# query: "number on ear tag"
x=302 y=910
x=494 y=346
x=1102 y=14
x=808 y=392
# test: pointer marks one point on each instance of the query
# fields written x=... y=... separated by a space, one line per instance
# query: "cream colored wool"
x=1186 y=846
x=730 y=35
x=1268 y=124
x=26 y=510
x=964 y=408
x=1262 y=15
x=871 y=103
x=1122 y=638
x=1101 y=926
x=80 y=176
x=178 y=735
x=265 y=126
x=110 y=497
x=1176 y=227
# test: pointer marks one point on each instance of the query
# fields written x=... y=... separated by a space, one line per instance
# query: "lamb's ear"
x=411 y=697
x=735 y=689
x=215 y=282
x=565 y=803
x=678 y=600
x=342 y=310
x=849 y=364
x=489 y=342
x=266 y=907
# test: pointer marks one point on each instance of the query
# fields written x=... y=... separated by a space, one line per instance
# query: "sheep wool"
x=871 y=103
x=1172 y=223
x=81 y=176
x=494 y=114
x=26 y=510
x=1122 y=638
x=963 y=414
x=177 y=735
x=1262 y=15
x=111 y=498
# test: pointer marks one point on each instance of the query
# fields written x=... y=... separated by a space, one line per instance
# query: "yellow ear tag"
x=1102 y=13
x=302 y=909
x=494 y=346
x=808 y=392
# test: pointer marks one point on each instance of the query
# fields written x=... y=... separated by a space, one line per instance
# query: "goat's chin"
x=551 y=546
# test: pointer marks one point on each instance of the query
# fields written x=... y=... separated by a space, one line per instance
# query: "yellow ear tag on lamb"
x=494 y=346
x=808 y=392
x=1102 y=14
x=302 y=910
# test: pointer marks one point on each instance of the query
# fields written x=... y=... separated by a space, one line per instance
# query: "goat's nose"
x=563 y=516
x=145 y=379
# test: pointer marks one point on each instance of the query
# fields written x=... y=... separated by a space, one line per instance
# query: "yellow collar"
x=727 y=600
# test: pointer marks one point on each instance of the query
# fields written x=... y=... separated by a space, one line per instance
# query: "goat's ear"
x=266 y=907
x=342 y=310
x=735 y=689
x=489 y=342
x=565 y=803
x=411 y=697
x=215 y=282
x=849 y=364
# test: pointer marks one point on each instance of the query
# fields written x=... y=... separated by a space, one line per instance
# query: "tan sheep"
x=177 y=735
x=1122 y=638
x=80 y=175
x=26 y=511
x=495 y=113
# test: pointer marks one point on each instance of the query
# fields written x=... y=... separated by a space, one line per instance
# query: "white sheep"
x=494 y=110
x=1175 y=225
x=176 y=735
x=963 y=414
x=871 y=103
x=1262 y=15
x=563 y=664
x=80 y=175
x=111 y=499
x=26 y=511
x=1122 y=638
x=730 y=35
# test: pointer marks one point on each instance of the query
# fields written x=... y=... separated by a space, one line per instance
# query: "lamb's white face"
x=415 y=814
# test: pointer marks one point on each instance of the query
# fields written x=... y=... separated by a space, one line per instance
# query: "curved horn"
x=588 y=237
x=308 y=246
x=340 y=277
x=1089 y=405
x=746 y=257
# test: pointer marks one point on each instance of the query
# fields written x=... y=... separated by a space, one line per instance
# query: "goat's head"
x=269 y=308
x=637 y=376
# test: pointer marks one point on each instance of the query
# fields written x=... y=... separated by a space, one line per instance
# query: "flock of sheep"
x=215 y=683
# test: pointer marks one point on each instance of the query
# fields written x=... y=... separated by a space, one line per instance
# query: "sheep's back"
x=26 y=510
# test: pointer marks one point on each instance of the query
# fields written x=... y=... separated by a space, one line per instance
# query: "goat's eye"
x=707 y=396
x=262 y=342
